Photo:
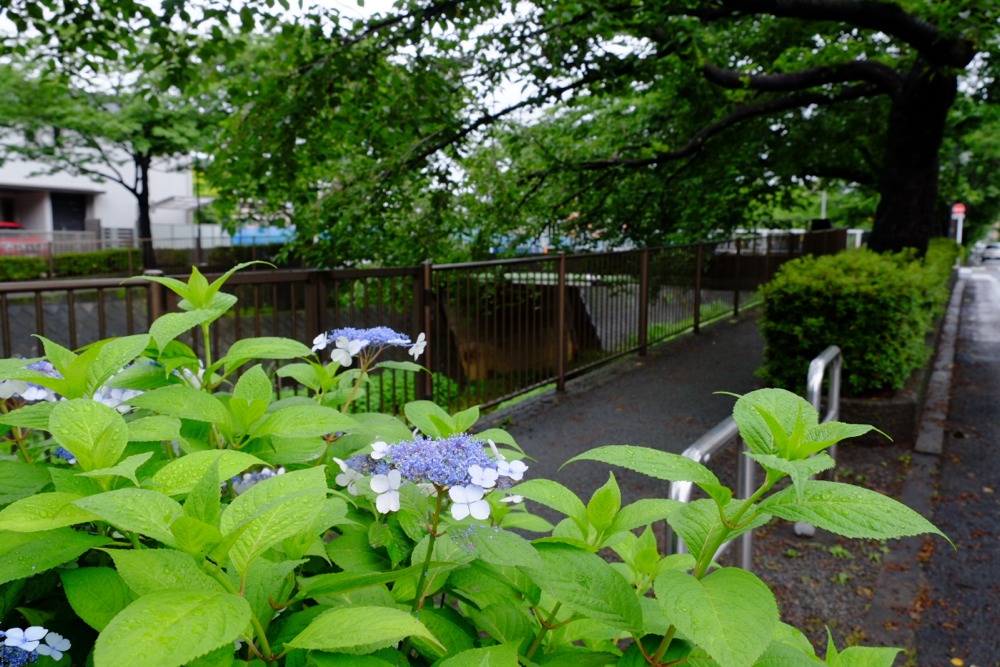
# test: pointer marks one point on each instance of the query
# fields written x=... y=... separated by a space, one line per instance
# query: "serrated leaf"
x=799 y=470
x=851 y=511
x=642 y=513
x=556 y=496
x=126 y=468
x=305 y=421
x=698 y=523
x=146 y=571
x=505 y=621
x=45 y=511
x=184 y=402
x=96 y=594
x=341 y=582
x=651 y=462
x=451 y=630
x=170 y=628
x=604 y=504
x=730 y=613
x=502 y=655
x=24 y=555
x=499 y=436
x=155 y=428
x=588 y=585
x=307 y=375
x=430 y=418
x=171 y=325
x=182 y=474
x=20 y=480
x=263 y=347
x=34 y=416
x=93 y=432
x=501 y=547
x=360 y=630
x=137 y=511
x=114 y=355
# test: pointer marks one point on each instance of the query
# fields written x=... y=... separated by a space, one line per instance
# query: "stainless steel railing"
x=725 y=433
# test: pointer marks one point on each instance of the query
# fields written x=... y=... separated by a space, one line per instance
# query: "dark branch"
x=743 y=113
x=887 y=17
x=879 y=74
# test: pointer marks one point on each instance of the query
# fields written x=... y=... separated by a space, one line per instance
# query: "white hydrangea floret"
x=379 y=449
x=418 y=347
x=27 y=640
x=344 y=353
x=348 y=477
x=387 y=488
x=54 y=646
x=484 y=477
x=513 y=469
x=468 y=501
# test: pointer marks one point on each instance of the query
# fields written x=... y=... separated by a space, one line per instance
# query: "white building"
x=62 y=206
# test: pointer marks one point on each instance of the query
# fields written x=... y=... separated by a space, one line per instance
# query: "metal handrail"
x=831 y=357
x=726 y=431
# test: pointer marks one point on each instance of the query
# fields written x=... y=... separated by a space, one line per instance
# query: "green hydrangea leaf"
x=136 y=511
x=93 y=432
x=171 y=628
x=149 y=570
x=556 y=496
x=44 y=511
x=96 y=594
x=21 y=480
x=588 y=585
x=730 y=613
x=359 y=630
x=501 y=655
x=848 y=510
x=651 y=462
x=24 y=555
x=182 y=474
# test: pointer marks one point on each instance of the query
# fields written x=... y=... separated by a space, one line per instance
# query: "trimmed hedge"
x=879 y=309
x=70 y=264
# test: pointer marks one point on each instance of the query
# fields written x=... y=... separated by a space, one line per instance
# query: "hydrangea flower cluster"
x=29 y=391
x=350 y=342
x=459 y=464
x=240 y=484
x=22 y=647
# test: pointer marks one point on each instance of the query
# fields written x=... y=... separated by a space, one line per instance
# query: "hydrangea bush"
x=158 y=508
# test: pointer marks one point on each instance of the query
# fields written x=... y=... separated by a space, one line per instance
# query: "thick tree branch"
x=887 y=17
x=879 y=74
x=742 y=113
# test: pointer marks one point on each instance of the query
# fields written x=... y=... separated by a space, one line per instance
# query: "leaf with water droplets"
x=848 y=510
x=23 y=555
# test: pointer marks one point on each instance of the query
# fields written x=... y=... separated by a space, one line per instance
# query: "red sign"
x=957 y=210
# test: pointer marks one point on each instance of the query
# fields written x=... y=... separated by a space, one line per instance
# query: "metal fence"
x=495 y=329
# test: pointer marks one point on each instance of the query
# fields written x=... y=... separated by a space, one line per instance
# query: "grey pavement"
x=942 y=604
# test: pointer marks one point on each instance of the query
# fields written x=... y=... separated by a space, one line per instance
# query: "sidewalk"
x=664 y=400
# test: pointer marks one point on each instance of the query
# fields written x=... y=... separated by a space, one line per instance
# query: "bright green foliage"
x=177 y=544
x=878 y=309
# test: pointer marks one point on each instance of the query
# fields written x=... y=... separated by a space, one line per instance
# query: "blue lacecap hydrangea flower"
x=440 y=461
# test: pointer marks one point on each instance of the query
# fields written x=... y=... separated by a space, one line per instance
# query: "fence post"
x=696 y=323
x=561 y=305
x=643 y=302
x=156 y=300
x=423 y=283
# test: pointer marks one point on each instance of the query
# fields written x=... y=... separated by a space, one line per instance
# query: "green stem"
x=206 y=338
x=715 y=541
x=546 y=624
x=664 y=645
x=355 y=389
x=418 y=601
x=221 y=577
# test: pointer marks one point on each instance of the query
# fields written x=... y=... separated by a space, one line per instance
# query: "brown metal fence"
x=495 y=329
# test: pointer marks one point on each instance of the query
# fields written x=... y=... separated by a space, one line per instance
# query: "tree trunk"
x=145 y=226
x=907 y=214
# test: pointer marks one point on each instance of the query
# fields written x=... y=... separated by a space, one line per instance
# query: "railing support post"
x=737 y=281
x=156 y=301
x=644 y=302
x=425 y=300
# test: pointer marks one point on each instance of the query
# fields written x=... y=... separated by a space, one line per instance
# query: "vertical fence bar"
x=423 y=300
x=156 y=300
x=561 y=328
x=643 y=302
x=736 y=281
x=696 y=324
